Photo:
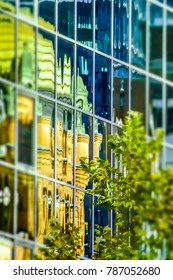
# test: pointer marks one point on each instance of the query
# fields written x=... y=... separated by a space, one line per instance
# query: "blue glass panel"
x=88 y=225
x=121 y=29
x=138 y=32
x=85 y=22
x=121 y=92
x=46 y=11
x=103 y=26
x=102 y=87
x=84 y=81
x=66 y=17
x=169 y=50
x=138 y=92
x=155 y=43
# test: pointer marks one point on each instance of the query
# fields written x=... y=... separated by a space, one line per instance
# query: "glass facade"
x=70 y=70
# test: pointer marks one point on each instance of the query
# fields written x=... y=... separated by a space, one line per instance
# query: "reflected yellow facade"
x=47 y=150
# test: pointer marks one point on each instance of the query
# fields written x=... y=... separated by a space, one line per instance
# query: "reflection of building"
x=67 y=79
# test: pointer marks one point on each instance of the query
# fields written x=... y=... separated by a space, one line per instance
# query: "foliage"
x=140 y=193
x=61 y=244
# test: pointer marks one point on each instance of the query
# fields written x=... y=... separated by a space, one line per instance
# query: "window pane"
x=7 y=123
x=7 y=47
x=26 y=55
x=103 y=26
x=169 y=109
x=84 y=81
x=25 y=114
x=169 y=51
x=46 y=13
x=155 y=40
x=65 y=75
x=121 y=29
x=64 y=146
x=101 y=132
x=6 y=199
x=26 y=7
x=8 y=5
x=23 y=253
x=46 y=63
x=85 y=22
x=138 y=32
x=169 y=157
x=121 y=92
x=6 y=248
x=25 y=217
x=45 y=205
x=66 y=17
x=102 y=87
x=45 y=137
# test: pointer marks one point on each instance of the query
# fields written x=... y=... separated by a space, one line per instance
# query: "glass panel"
x=45 y=137
x=85 y=22
x=25 y=209
x=100 y=215
x=138 y=92
x=64 y=205
x=80 y=219
x=46 y=13
x=101 y=132
x=168 y=2
x=155 y=106
x=102 y=87
x=7 y=47
x=169 y=51
x=155 y=40
x=45 y=205
x=121 y=30
x=84 y=83
x=169 y=157
x=26 y=7
x=64 y=146
x=169 y=109
x=46 y=63
x=65 y=68
x=121 y=92
x=83 y=146
x=88 y=225
x=25 y=114
x=8 y=5
x=23 y=253
x=103 y=26
x=6 y=199
x=66 y=17
x=138 y=32
x=26 y=55
x=7 y=122
x=6 y=248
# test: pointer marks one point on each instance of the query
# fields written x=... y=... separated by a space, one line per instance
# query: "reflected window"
x=46 y=13
x=26 y=7
x=84 y=81
x=8 y=5
x=45 y=137
x=169 y=157
x=7 y=47
x=102 y=87
x=101 y=132
x=7 y=122
x=103 y=25
x=46 y=63
x=25 y=114
x=64 y=145
x=45 y=206
x=6 y=199
x=65 y=72
x=25 y=213
x=66 y=17
x=88 y=215
x=121 y=29
x=156 y=105
x=121 y=92
x=83 y=146
x=138 y=32
x=155 y=39
x=138 y=92
x=85 y=22
x=26 y=55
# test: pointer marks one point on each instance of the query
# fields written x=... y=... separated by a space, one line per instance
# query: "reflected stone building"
x=69 y=73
